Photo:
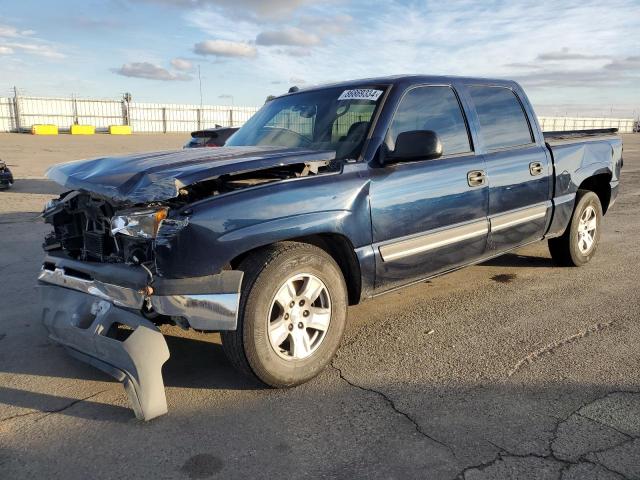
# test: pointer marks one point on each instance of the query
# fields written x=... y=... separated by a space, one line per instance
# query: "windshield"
x=328 y=119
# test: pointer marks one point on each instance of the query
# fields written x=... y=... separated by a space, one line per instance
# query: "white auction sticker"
x=361 y=94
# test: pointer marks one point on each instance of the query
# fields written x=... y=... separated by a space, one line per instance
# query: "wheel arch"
x=339 y=247
x=600 y=184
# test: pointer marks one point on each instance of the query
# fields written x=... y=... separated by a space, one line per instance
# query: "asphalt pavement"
x=513 y=368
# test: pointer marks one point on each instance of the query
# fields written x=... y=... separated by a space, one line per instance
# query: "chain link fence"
x=20 y=113
x=555 y=124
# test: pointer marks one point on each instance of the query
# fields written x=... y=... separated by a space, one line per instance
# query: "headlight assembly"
x=139 y=223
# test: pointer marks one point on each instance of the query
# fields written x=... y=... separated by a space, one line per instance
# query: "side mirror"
x=415 y=145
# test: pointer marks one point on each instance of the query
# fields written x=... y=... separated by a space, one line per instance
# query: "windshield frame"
x=375 y=115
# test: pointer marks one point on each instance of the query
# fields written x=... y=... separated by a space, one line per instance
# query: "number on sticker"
x=361 y=94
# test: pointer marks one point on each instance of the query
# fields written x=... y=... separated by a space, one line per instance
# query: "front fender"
x=351 y=224
x=221 y=228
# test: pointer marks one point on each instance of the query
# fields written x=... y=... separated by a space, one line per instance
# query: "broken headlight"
x=139 y=223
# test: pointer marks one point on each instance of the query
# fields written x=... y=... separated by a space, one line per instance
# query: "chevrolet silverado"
x=327 y=196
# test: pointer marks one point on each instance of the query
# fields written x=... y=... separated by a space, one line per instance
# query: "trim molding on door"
x=432 y=240
x=510 y=219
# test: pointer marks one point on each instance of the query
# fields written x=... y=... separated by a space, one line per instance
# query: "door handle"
x=476 y=178
x=535 y=168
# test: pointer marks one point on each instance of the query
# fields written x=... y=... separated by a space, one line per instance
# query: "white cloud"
x=38 y=49
x=474 y=39
x=268 y=9
x=8 y=31
x=14 y=41
x=294 y=51
x=224 y=48
x=182 y=64
x=628 y=64
x=288 y=36
x=326 y=24
x=149 y=71
x=566 y=54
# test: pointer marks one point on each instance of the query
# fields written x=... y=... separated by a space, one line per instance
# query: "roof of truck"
x=407 y=80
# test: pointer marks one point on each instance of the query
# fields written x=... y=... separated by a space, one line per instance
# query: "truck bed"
x=577 y=134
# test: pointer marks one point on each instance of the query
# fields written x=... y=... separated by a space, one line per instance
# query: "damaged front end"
x=102 y=297
x=115 y=265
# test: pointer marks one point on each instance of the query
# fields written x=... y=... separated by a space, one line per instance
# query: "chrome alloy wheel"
x=587 y=230
x=299 y=317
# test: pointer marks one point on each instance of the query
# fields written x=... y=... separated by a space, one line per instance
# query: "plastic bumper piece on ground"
x=89 y=327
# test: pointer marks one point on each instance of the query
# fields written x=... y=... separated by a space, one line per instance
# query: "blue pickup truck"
x=327 y=196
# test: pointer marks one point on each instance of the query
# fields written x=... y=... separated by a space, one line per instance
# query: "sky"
x=572 y=57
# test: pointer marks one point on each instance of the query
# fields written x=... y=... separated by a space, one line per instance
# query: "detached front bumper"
x=89 y=328
x=94 y=310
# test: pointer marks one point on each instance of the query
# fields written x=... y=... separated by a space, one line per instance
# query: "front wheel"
x=579 y=242
x=293 y=312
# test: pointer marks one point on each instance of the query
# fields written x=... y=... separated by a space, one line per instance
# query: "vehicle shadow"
x=194 y=364
x=43 y=403
x=517 y=260
x=201 y=363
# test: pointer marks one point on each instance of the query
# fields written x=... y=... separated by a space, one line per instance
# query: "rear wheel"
x=579 y=242
x=293 y=312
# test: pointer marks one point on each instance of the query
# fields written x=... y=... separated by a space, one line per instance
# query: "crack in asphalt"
x=602 y=423
x=551 y=347
x=566 y=464
x=504 y=453
x=51 y=412
x=395 y=408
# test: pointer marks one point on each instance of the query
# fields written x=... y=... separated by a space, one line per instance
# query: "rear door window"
x=503 y=122
x=433 y=108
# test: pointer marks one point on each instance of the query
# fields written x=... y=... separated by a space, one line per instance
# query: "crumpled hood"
x=149 y=177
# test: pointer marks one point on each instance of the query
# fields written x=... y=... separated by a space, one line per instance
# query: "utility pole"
x=200 y=82
x=16 y=108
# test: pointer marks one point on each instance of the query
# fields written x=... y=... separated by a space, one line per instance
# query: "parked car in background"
x=211 y=137
x=6 y=177
x=327 y=196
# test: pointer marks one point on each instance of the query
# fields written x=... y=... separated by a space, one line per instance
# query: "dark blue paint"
x=366 y=203
x=412 y=198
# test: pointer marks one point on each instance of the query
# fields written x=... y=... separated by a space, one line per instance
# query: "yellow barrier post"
x=44 y=130
x=120 y=130
x=82 y=130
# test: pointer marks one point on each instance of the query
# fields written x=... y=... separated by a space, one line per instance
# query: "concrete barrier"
x=120 y=130
x=44 y=130
x=82 y=130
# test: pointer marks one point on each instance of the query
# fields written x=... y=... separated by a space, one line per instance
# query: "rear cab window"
x=434 y=108
x=503 y=121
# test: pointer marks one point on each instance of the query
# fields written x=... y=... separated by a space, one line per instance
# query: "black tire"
x=248 y=348
x=564 y=249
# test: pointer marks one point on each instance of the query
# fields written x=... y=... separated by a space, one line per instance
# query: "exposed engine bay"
x=88 y=227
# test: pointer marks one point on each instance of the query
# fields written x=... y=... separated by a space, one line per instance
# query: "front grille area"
x=81 y=228
x=95 y=245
